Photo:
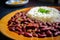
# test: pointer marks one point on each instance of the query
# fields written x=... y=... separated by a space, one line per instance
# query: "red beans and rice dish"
x=23 y=25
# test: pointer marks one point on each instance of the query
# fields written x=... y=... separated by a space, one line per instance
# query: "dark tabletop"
x=4 y=10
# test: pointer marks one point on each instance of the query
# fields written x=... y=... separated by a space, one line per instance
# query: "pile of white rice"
x=52 y=16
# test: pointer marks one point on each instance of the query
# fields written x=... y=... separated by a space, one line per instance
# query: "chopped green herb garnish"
x=43 y=10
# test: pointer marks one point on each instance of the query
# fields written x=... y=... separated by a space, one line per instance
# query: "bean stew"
x=23 y=25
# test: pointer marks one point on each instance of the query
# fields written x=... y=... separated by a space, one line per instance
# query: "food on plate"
x=18 y=2
x=37 y=22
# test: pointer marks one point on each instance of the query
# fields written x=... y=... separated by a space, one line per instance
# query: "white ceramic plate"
x=20 y=4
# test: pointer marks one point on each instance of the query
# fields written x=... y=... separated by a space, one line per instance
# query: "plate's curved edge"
x=1 y=22
x=25 y=2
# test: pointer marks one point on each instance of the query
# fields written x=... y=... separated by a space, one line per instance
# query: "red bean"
x=49 y=33
x=18 y=29
x=53 y=29
x=38 y=30
x=42 y=26
x=17 y=21
x=18 y=25
x=26 y=22
x=30 y=20
x=42 y=23
x=35 y=35
x=44 y=29
x=27 y=34
x=30 y=25
x=53 y=24
x=24 y=28
x=58 y=27
x=9 y=22
x=33 y=25
x=29 y=30
x=20 y=14
x=56 y=33
x=36 y=25
x=11 y=28
x=41 y=35
x=13 y=19
x=49 y=24
x=20 y=33
x=24 y=17
x=58 y=23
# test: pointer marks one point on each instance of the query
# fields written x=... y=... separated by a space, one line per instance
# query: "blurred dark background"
x=5 y=9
